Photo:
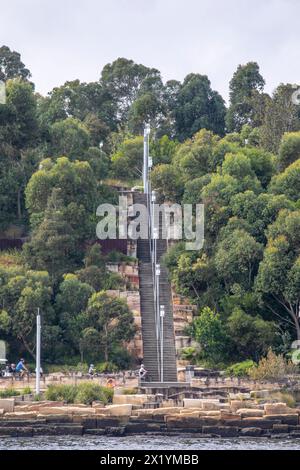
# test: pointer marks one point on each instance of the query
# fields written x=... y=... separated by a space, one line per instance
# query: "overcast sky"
x=67 y=39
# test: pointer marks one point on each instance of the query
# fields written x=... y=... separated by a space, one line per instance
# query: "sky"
x=62 y=40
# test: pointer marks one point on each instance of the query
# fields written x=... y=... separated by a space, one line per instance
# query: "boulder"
x=21 y=415
x=251 y=432
x=277 y=409
x=291 y=419
x=259 y=393
x=280 y=428
x=222 y=431
x=238 y=404
x=250 y=412
x=7 y=404
x=132 y=399
x=119 y=410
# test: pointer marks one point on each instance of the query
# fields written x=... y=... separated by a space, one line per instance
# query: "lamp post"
x=146 y=158
x=38 y=353
x=162 y=315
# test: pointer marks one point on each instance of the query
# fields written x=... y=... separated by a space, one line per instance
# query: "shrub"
x=88 y=392
x=66 y=393
x=284 y=397
x=188 y=353
x=106 y=367
x=129 y=391
x=272 y=367
x=9 y=392
x=240 y=369
x=26 y=391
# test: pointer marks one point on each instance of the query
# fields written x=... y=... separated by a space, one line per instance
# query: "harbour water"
x=146 y=443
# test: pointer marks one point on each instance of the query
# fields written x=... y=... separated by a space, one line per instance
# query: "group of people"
x=12 y=369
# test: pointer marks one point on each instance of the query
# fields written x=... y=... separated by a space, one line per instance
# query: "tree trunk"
x=19 y=204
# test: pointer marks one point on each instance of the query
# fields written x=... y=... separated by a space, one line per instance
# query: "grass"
x=86 y=393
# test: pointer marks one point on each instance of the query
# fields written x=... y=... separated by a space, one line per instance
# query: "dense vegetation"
x=59 y=156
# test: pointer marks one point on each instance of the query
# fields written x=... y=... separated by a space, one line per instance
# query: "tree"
x=287 y=182
x=69 y=138
x=282 y=115
x=11 y=65
x=22 y=293
x=289 y=150
x=109 y=323
x=251 y=336
x=237 y=258
x=167 y=182
x=127 y=161
x=78 y=193
x=208 y=330
x=245 y=95
x=277 y=282
x=197 y=107
x=53 y=243
x=123 y=79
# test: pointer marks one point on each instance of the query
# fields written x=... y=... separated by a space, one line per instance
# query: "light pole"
x=146 y=158
x=162 y=315
x=38 y=353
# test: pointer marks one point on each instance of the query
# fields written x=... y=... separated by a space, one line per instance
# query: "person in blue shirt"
x=21 y=368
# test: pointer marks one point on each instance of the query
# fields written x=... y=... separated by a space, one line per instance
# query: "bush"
x=86 y=393
x=9 y=392
x=129 y=391
x=284 y=397
x=188 y=353
x=26 y=391
x=106 y=367
x=240 y=369
x=66 y=393
x=272 y=367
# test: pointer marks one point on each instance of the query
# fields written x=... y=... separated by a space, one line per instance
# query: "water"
x=145 y=443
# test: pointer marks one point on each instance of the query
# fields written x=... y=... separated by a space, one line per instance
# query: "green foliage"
x=272 y=367
x=85 y=392
x=208 y=330
x=9 y=392
x=188 y=353
x=240 y=369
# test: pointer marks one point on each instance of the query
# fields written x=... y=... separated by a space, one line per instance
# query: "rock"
x=74 y=430
x=192 y=403
x=58 y=418
x=132 y=399
x=259 y=394
x=9 y=432
x=167 y=411
x=95 y=432
x=222 y=431
x=291 y=419
x=250 y=412
x=21 y=422
x=119 y=410
x=143 y=427
x=1 y=411
x=21 y=414
x=239 y=396
x=189 y=422
x=258 y=423
x=115 y=431
x=277 y=409
x=251 y=432
x=211 y=405
x=87 y=423
x=280 y=428
x=107 y=422
x=295 y=434
x=238 y=404
x=7 y=404
x=226 y=415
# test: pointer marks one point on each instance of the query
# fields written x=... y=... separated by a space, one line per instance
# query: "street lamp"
x=162 y=315
x=38 y=353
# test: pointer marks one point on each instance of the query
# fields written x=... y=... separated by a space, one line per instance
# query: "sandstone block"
x=223 y=431
x=250 y=413
x=132 y=399
x=291 y=419
x=251 y=432
x=7 y=404
x=277 y=409
x=119 y=410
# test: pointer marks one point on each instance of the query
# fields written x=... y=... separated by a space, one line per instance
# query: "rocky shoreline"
x=199 y=418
